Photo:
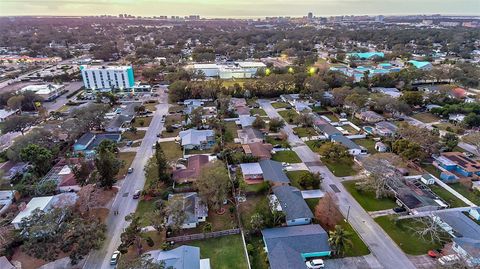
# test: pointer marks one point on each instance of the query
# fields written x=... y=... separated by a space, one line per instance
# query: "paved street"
x=388 y=254
x=123 y=201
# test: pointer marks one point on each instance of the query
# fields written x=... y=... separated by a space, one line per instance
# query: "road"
x=386 y=252
x=62 y=100
x=123 y=202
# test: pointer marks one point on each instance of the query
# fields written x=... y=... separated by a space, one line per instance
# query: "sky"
x=237 y=8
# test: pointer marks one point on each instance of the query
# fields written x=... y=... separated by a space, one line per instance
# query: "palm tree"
x=339 y=240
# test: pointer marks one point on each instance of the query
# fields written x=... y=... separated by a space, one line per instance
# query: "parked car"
x=433 y=253
x=136 y=194
x=130 y=170
x=114 y=258
x=315 y=264
x=399 y=209
x=129 y=143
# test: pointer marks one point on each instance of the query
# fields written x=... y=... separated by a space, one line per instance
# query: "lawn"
x=175 y=109
x=258 y=257
x=331 y=117
x=367 y=143
x=312 y=203
x=151 y=106
x=277 y=105
x=314 y=145
x=256 y=188
x=143 y=209
x=305 y=131
x=319 y=109
x=367 y=199
x=173 y=119
x=274 y=141
x=295 y=176
x=145 y=120
x=426 y=117
x=447 y=196
x=127 y=158
x=259 y=111
x=288 y=156
x=349 y=129
x=230 y=131
x=446 y=126
x=166 y=134
x=343 y=168
x=289 y=116
x=172 y=150
x=230 y=83
x=225 y=252
x=431 y=169
x=470 y=195
x=404 y=236
x=132 y=136
x=358 y=246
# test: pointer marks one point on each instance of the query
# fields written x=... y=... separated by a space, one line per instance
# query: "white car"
x=114 y=258
x=315 y=264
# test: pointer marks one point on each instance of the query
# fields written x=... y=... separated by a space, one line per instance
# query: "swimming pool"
x=368 y=129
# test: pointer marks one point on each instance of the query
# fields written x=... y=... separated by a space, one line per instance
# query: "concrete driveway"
x=312 y=194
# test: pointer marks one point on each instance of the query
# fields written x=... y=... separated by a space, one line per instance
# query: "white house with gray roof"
x=197 y=139
x=290 y=201
x=196 y=211
x=182 y=257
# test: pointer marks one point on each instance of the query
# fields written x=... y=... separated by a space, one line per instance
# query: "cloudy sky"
x=238 y=8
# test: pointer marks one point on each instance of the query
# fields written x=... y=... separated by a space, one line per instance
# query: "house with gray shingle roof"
x=196 y=211
x=290 y=247
x=273 y=172
x=183 y=257
x=291 y=202
x=197 y=139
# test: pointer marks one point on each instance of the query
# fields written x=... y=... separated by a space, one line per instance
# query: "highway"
x=123 y=202
x=387 y=253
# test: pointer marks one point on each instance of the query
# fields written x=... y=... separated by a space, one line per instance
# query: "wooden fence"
x=201 y=236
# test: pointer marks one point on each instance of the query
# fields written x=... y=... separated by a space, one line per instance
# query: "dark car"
x=136 y=194
x=399 y=209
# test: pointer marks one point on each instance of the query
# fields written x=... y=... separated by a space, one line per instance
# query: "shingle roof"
x=251 y=168
x=345 y=141
x=292 y=202
x=195 y=137
x=85 y=139
x=195 y=163
x=258 y=149
x=287 y=244
x=183 y=257
x=461 y=224
x=192 y=206
x=470 y=245
x=273 y=171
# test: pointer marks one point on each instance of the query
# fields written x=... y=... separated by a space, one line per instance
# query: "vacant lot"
x=172 y=150
x=288 y=156
x=280 y=105
x=426 y=117
x=305 y=131
x=129 y=135
x=289 y=116
x=367 y=199
x=142 y=122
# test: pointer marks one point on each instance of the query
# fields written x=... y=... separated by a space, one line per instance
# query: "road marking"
x=334 y=188
x=125 y=194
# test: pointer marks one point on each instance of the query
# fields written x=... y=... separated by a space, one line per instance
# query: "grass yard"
x=295 y=176
x=289 y=116
x=278 y=105
x=314 y=145
x=258 y=257
x=151 y=106
x=367 y=199
x=173 y=119
x=446 y=126
x=447 y=196
x=404 y=236
x=230 y=83
x=259 y=111
x=256 y=188
x=305 y=131
x=342 y=168
x=431 y=169
x=127 y=158
x=145 y=120
x=199 y=151
x=172 y=150
x=367 y=143
x=171 y=134
x=312 y=203
x=273 y=141
x=288 y=156
x=319 y=109
x=349 y=129
x=426 y=117
x=145 y=208
x=331 y=117
x=225 y=252
x=128 y=135
x=358 y=246
x=230 y=131
x=470 y=195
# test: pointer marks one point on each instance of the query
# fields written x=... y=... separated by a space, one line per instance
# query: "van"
x=315 y=264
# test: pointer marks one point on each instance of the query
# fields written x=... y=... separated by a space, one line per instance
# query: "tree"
x=449 y=141
x=213 y=184
x=259 y=123
x=305 y=120
x=133 y=236
x=175 y=211
x=382 y=174
x=196 y=117
x=327 y=212
x=17 y=124
x=356 y=101
x=426 y=139
x=276 y=124
x=157 y=218
x=333 y=151
x=162 y=164
x=15 y=102
x=310 y=180
x=107 y=165
x=428 y=230
x=40 y=157
x=472 y=120
x=413 y=98
x=207 y=227
x=339 y=95
x=257 y=223
x=474 y=140
x=408 y=150
x=339 y=240
x=141 y=263
x=82 y=172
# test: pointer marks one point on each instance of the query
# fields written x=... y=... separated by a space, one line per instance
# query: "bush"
x=169 y=128
x=250 y=248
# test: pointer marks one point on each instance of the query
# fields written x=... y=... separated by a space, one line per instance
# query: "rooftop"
x=251 y=168
x=273 y=171
x=183 y=257
x=292 y=202
x=37 y=202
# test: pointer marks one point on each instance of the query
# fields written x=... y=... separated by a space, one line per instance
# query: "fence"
x=201 y=236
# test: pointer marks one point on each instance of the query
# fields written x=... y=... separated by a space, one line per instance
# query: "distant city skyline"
x=237 y=9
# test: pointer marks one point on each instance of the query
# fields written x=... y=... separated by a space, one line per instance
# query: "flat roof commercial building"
x=107 y=78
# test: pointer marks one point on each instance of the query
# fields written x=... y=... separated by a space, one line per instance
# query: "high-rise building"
x=106 y=78
x=310 y=15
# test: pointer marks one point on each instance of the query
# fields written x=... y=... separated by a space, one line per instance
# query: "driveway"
x=123 y=202
x=362 y=262
x=388 y=254
x=312 y=194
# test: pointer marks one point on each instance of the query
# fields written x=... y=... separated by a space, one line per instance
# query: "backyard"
x=367 y=199
x=466 y=192
x=402 y=232
x=447 y=196
x=367 y=143
x=230 y=131
x=287 y=156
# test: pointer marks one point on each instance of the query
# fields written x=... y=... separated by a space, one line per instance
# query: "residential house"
x=6 y=199
x=352 y=147
x=12 y=169
x=385 y=128
x=427 y=179
x=458 y=164
x=197 y=139
x=465 y=233
x=41 y=203
x=192 y=171
x=196 y=211
x=369 y=116
x=249 y=135
x=273 y=172
x=124 y=116
x=290 y=98
x=5 y=264
x=63 y=176
x=423 y=65
x=87 y=144
x=260 y=150
x=191 y=105
x=239 y=105
x=6 y=114
x=392 y=92
x=335 y=135
x=381 y=147
x=302 y=107
x=355 y=56
x=290 y=201
x=245 y=121
x=182 y=257
x=415 y=196
x=456 y=118
x=474 y=213
x=290 y=247
x=252 y=172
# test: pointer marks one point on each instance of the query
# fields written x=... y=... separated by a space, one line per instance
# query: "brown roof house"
x=259 y=150
x=194 y=166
